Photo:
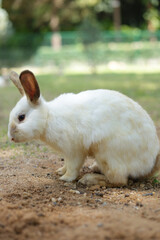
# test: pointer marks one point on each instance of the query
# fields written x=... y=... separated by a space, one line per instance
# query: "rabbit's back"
x=98 y=114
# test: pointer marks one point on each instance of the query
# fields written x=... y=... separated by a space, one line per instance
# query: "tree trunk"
x=56 y=40
x=116 y=4
x=150 y=26
x=117 y=14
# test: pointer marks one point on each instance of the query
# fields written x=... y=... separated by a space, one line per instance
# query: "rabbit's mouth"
x=13 y=138
x=16 y=140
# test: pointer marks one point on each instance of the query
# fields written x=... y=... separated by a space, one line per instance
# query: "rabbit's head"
x=27 y=119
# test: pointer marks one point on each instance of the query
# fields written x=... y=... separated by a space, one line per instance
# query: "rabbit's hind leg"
x=114 y=172
x=116 y=178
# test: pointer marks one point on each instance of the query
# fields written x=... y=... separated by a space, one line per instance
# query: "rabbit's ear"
x=30 y=86
x=15 y=79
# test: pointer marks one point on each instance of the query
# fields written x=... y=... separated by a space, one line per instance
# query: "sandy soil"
x=35 y=204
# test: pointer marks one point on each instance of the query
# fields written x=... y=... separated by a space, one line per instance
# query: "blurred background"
x=75 y=45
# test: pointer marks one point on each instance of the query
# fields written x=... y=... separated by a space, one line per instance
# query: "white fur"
x=105 y=124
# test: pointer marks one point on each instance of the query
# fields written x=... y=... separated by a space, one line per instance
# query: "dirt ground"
x=35 y=204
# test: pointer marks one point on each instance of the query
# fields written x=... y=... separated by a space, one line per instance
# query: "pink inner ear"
x=30 y=85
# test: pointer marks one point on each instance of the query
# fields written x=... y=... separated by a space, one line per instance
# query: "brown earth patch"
x=35 y=204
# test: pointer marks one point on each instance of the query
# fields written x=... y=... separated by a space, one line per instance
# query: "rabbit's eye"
x=21 y=117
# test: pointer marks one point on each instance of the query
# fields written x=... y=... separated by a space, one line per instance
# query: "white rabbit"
x=104 y=124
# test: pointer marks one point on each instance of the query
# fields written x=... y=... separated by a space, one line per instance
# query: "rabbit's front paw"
x=61 y=171
x=68 y=178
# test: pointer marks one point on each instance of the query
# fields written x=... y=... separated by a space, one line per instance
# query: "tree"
x=61 y=15
x=116 y=4
x=45 y=15
x=90 y=35
x=5 y=26
x=151 y=15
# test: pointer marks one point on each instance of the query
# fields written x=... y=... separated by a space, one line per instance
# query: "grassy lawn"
x=144 y=88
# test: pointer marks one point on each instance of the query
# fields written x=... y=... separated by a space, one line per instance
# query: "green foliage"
x=19 y=46
x=152 y=16
x=90 y=32
x=5 y=26
x=41 y=16
x=23 y=40
x=155 y=181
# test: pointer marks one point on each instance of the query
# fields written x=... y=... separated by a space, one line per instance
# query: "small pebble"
x=74 y=191
x=77 y=192
x=102 y=184
x=94 y=187
x=104 y=204
x=26 y=195
x=139 y=204
x=53 y=200
x=2 y=225
x=136 y=207
x=99 y=194
x=147 y=194
x=41 y=215
x=44 y=167
x=142 y=185
x=100 y=225
x=60 y=199
x=157 y=210
x=66 y=184
x=98 y=200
